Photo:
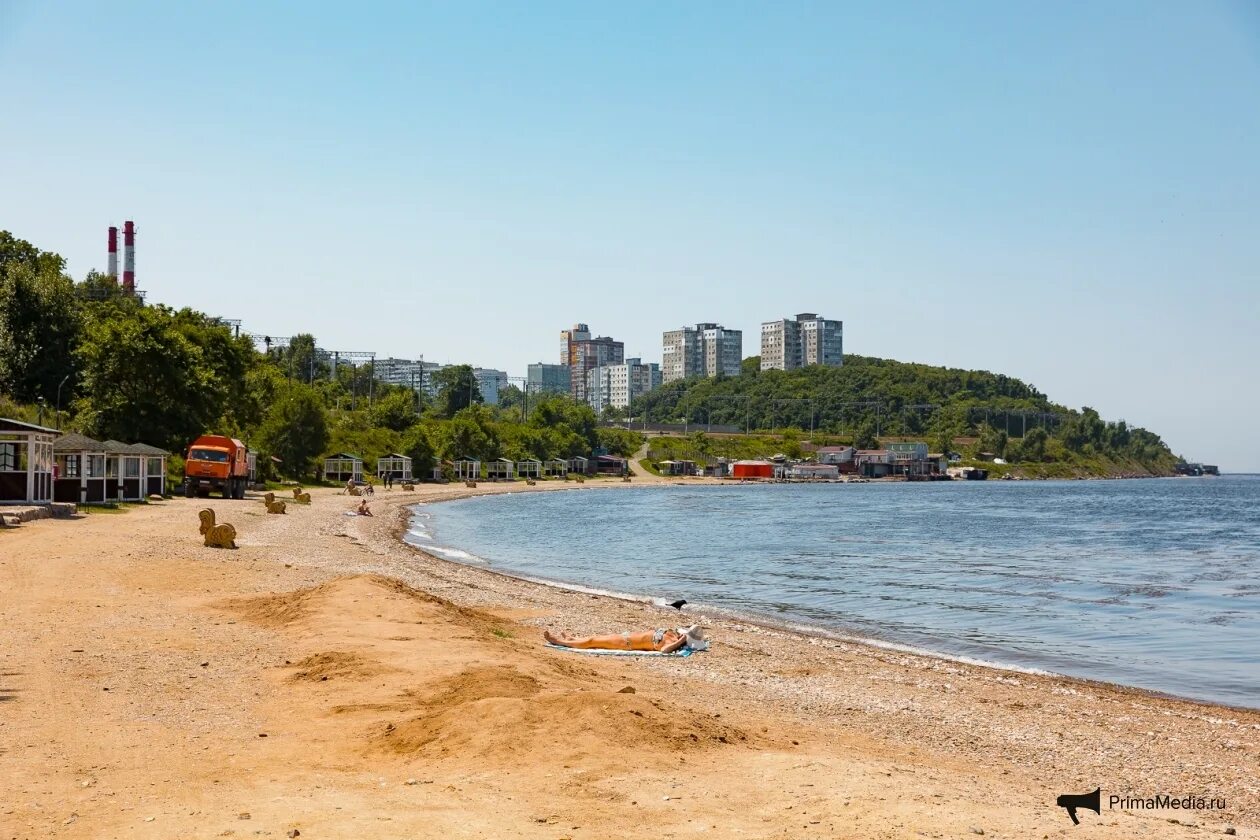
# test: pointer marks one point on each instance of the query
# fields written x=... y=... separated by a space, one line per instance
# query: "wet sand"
x=328 y=679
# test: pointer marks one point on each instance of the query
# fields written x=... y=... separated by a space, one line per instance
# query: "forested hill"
x=869 y=398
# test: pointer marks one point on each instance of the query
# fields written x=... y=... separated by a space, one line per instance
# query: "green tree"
x=296 y=428
x=153 y=374
x=396 y=410
x=418 y=446
x=864 y=437
x=456 y=389
x=470 y=433
x=40 y=325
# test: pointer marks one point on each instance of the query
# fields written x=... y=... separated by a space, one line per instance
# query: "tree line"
x=96 y=360
x=866 y=399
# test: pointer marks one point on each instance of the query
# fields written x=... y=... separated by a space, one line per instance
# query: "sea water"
x=1151 y=583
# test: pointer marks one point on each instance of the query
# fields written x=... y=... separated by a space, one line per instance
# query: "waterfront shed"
x=839 y=455
x=874 y=463
x=815 y=472
x=343 y=466
x=611 y=465
x=752 y=469
x=26 y=463
x=580 y=465
x=529 y=468
x=555 y=466
x=468 y=469
x=394 y=466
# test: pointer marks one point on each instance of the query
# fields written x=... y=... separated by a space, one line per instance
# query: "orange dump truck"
x=215 y=462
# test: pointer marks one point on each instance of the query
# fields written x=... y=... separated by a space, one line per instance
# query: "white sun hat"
x=695 y=637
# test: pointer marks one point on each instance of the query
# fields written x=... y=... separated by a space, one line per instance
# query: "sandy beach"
x=326 y=680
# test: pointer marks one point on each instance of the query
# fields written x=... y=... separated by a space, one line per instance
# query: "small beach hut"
x=26 y=463
x=529 y=468
x=133 y=471
x=500 y=468
x=152 y=469
x=467 y=469
x=555 y=466
x=580 y=465
x=122 y=473
x=80 y=469
x=394 y=466
x=343 y=467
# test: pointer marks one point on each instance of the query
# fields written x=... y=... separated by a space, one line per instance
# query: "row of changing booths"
x=345 y=466
x=39 y=465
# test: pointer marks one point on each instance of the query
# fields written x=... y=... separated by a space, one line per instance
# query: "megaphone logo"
x=1072 y=801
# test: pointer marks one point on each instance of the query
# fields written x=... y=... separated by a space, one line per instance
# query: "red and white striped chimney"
x=129 y=257
x=112 y=271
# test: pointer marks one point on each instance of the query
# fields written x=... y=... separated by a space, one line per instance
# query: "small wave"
x=455 y=554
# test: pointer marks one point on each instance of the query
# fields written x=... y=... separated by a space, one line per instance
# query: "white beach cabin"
x=26 y=463
x=343 y=467
x=394 y=466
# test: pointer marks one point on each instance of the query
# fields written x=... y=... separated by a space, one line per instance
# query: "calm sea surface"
x=1150 y=583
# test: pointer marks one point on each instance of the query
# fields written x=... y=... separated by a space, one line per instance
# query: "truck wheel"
x=190 y=490
x=240 y=489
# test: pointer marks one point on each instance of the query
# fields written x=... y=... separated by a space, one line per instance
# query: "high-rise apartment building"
x=583 y=354
x=808 y=340
x=542 y=378
x=618 y=385
x=706 y=350
x=723 y=349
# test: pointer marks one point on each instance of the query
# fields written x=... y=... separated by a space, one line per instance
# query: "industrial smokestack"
x=129 y=257
x=113 y=254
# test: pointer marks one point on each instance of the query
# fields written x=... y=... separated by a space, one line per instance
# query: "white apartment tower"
x=808 y=340
x=706 y=350
x=618 y=385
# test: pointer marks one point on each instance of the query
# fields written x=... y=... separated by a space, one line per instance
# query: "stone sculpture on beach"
x=217 y=536
x=408 y=486
x=273 y=506
x=301 y=498
x=470 y=484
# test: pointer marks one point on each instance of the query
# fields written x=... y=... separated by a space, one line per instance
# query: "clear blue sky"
x=1068 y=193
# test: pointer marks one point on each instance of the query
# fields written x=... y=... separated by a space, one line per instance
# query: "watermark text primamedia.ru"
x=1184 y=803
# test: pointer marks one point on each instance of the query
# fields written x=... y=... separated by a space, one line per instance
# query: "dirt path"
x=150 y=687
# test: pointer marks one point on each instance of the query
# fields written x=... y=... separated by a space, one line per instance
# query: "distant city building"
x=542 y=378
x=580 y=332
x=416 y=375
x=680 y=354
x=808 y=340
x=582 y=354
x=706 y=350
x=723 y=349
x=617 y=385
x=490 y=382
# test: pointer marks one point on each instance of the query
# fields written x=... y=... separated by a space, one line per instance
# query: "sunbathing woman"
x=662 y=640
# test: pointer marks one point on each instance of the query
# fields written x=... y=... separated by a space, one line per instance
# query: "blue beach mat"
x=683 y=652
